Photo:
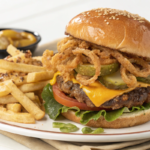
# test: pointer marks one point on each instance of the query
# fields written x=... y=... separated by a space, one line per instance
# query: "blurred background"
x=49 y=17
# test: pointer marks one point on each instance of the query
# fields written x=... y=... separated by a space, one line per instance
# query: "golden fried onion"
x=127 y=77
x=73 y=43
x=83 y=80
x=47 y=55
x=104 y=57
x=126 y=63
x=70 y=65
x=74 y=51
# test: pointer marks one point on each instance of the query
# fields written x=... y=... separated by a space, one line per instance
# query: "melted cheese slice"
x=98 y=93
x=53 y=81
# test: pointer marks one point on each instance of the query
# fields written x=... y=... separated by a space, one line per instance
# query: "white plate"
x=44 y=129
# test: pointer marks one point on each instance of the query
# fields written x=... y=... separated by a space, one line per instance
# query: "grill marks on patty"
x=134 y=98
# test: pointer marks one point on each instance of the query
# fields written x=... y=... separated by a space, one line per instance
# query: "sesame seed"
x=115 y=12
x=129 y=16
x=113 y=17
x=107 y=22
x=141 y=21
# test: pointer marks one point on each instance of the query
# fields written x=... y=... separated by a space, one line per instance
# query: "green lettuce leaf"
x=53 y=109
x=65 y=127
x=87 y=130
x=86 y=116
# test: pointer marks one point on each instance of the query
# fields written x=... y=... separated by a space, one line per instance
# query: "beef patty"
x=133 y=98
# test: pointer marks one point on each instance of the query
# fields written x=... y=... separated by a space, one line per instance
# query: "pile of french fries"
x=22 y=78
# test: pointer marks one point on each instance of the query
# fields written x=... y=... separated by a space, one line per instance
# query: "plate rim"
x=75 y=137
x=72 y=133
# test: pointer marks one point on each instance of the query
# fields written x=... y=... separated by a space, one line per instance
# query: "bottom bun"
x=125 y=120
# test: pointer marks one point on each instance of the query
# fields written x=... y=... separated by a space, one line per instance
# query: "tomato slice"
x=61 y=98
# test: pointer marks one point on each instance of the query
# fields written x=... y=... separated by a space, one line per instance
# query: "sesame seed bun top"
x=112 y=28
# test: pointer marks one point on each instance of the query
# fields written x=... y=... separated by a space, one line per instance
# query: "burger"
x=101 y=71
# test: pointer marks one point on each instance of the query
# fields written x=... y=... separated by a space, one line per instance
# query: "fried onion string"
x=96 y=63
x=126 y=63
x=128 y=78
x=104 y=57
x=73 y=51
x=67 y=68
x=46 y=59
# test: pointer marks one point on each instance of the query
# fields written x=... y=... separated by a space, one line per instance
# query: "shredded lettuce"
x=65 y=127
x=54 y=109
x=87 y=130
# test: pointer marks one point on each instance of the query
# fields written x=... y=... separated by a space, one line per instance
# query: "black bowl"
x=32 y=47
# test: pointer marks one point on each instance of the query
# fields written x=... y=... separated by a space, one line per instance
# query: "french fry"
x=13 y=51
x=14 y=107
x=4 y=71
x=10 y=99
x=19 y=67
x=20 y=80
x=20 y=104
x=37 y=101
x=4 y=90
x=38 y=58
x=30 y=96
x=15 y=58
x=31 y=87
x=7 y=99
x=3 y=108
x=25 y=101
x=16 y=117
x=39 y=76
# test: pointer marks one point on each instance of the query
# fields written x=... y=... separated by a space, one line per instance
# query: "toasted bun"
x=112 y=28
x=126 y=120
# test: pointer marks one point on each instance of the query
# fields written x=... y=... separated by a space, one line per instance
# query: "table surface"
x=49 y=18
